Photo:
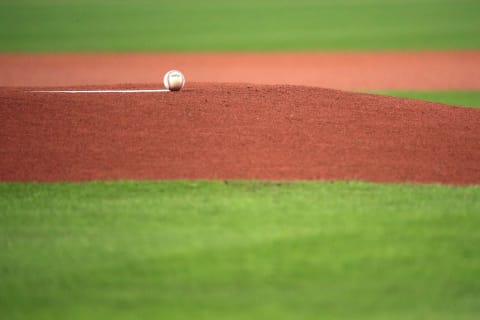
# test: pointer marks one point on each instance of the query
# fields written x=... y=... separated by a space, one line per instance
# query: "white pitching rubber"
x=99 y=91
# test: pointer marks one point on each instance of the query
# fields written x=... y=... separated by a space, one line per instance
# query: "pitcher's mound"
x=235 y=131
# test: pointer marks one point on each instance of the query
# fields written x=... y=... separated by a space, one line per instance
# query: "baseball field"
x=322 y=161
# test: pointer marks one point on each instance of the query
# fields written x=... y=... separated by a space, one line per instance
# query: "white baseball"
x=174 y=80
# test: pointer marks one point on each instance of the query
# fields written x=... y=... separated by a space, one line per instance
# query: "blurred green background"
x=213 y=25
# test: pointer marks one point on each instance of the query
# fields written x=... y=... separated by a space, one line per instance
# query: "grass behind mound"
x=239 y=250
x=458 y=98
x=212 y=25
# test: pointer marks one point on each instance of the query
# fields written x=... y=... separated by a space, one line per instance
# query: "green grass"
x=239 y=250
x=458 y=98
x=211 y=25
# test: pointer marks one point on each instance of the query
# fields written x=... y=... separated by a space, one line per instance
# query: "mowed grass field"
x=456 y=98
x=218 y=25
x=240 y=249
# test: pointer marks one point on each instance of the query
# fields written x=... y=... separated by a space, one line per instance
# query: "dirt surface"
x=227 y=131
x=367 y=70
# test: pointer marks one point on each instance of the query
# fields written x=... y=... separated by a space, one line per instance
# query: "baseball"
x=174 y=80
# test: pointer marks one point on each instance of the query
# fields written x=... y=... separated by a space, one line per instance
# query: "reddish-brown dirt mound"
x=226 y=131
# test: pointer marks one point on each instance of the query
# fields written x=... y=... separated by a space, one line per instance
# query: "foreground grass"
x=144 y=25
x=239 y=250
x=458 y=98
